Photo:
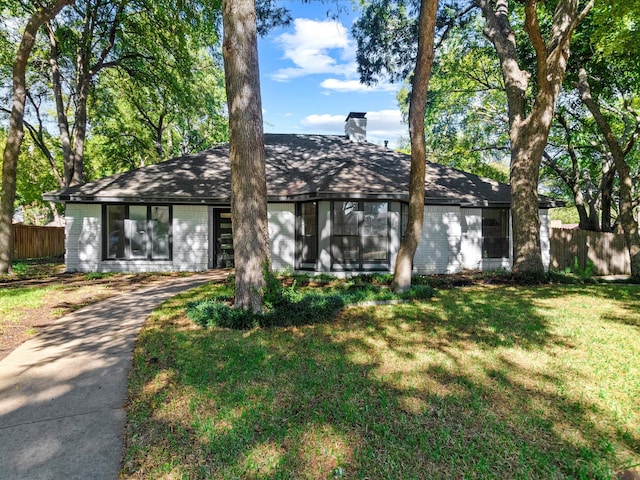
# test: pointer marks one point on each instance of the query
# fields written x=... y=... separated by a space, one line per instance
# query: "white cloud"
x=386 y=125
x=381 y=125
x=325 y=122
x=344 y=86
x=316 y=47
x=387 y=122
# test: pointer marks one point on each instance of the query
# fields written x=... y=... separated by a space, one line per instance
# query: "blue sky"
x=309 y=78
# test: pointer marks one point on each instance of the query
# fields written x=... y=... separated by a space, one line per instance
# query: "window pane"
x=308 y=233
x=345 y=244
x=138 y=213
x=160 y=228
x=376 y=216
x=495 y=233
x=404 y=218
x=375 y=231
x=136 y=229
x=345 y=218
x=115 y=231
x=376 y=249
x=345 y=249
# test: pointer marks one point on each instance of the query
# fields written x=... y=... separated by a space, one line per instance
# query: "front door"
x=222 y=239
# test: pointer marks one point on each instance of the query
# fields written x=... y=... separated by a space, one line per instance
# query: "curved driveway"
x=62 y=393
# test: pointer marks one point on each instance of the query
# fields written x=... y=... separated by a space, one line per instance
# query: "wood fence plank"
x=37 y=242
x=606 y=251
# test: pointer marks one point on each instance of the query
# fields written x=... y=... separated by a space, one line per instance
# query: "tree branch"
x=532 y=27
x=551 y=162
x=100 y=63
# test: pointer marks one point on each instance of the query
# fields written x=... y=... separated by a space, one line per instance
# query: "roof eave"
x=79 y=198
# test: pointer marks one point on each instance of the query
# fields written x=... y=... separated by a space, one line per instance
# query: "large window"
x=495 y=233
x=375 y=232
x=307 y=230
x=345 y=242
x=360 y=235
x=137 y=232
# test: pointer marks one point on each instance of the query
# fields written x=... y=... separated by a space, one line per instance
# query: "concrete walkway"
x=62 y=393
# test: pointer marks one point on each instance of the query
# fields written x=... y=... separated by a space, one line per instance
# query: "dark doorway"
x=222 y=239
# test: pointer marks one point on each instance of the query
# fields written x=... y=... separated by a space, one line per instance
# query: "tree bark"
x=529 y=133
x=247 y=154
x=417 y=105
x=15 y=133
x=627 y=220
x=606 y=187
x=76 y=175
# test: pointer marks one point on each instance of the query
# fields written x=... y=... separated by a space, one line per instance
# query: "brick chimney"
x=355 y=127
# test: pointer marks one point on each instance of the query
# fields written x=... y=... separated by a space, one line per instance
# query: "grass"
x=480 y=382
x=39 y=292
x=35 y=268
x=13 y=302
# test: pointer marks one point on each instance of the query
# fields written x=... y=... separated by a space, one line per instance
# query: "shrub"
x=288 y=308
x=212 y=313
x=291 y=306
x=373 y=278
x=302 y=309
x=419 y=292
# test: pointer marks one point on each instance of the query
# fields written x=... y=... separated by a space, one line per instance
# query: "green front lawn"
x=478 y=382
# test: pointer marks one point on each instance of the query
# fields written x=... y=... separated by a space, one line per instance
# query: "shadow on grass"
x=411 y=391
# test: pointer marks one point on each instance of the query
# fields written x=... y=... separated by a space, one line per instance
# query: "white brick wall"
x=282 y=225
x=471 y=245
x=439 y=247
x=83 y=244
x=190 y=238
x=471 y=240
x=451 y=240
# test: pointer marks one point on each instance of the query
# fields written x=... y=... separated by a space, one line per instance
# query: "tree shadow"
x=393 y=392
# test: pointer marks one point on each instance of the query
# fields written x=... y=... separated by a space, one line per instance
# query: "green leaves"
x=386 y=34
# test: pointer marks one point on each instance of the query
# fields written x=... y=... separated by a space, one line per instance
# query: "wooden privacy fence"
x=37 y=242
x=607 y=251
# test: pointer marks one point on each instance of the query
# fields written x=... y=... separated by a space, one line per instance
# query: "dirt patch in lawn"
x=66 y=292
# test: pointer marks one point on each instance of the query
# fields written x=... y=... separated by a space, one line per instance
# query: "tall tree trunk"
x=627 y=220
x=606 y=187
x=529 y=133
x=247 y=154
x=417 y=105
x=80 y=126
x=16 y=130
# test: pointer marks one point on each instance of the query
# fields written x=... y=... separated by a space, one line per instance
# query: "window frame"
x=360 y=264
x=300 y=265
x=148 y=234
x=488 y=252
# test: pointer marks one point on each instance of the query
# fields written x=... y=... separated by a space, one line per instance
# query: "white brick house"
x=335 y=204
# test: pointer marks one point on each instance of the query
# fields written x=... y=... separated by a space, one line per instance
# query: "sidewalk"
x=62 y=393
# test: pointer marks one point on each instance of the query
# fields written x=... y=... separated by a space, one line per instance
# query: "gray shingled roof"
x=298 y=167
